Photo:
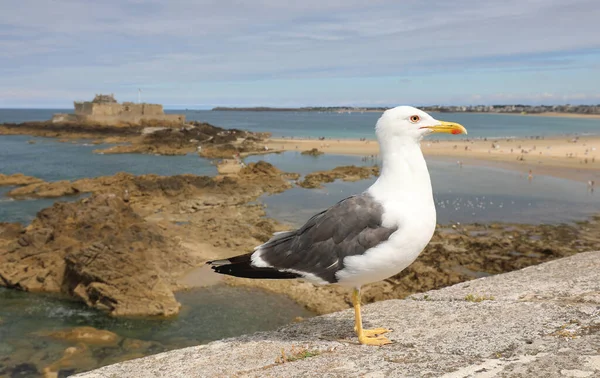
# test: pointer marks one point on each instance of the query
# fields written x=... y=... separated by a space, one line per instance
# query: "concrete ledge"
x=540 y=321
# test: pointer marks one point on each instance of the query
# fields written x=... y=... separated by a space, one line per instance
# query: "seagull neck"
x=403 y=169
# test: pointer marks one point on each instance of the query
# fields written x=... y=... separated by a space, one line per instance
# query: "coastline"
x=575 y=158
x=542 y=114
x=173 y=208
x=425 y=108
x=553 y=114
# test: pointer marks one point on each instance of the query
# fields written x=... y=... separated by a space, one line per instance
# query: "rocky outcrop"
x=179 y=141
x=41 y=189
x=224 y=151
x=68 y=130
x=144 y=148
x=541 y=321
x=346 y=173
x=137 y=185
x=18 y=179
x=211 y=141
x=221 y=207
x=312 y=152
x=88 y=335
x=229 y=167
x=98 y=250
x=117 y=251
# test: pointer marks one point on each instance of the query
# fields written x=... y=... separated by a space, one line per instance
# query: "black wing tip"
x=215 y=263
x=245 y=270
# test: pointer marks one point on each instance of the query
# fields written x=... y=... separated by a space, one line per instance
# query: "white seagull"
x=366 y=237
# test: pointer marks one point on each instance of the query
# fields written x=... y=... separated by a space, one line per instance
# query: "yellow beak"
x=447 y=127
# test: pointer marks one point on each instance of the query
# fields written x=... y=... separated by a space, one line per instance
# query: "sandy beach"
x=576 y=158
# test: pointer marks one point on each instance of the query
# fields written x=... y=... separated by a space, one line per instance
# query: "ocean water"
x=466 y=194
x=292 y=161
x=355 y=125
x=27 y=115
x=207 y=314
x=51 y=160
x=360 y=125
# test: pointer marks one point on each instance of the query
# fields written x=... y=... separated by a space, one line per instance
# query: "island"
x=105 y=110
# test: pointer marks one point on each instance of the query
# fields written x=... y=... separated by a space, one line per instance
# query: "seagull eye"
x=415 y=118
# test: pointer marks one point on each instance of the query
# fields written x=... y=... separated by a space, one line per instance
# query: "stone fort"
x=104 y=109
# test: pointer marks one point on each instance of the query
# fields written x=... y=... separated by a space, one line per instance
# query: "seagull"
x=366 y=237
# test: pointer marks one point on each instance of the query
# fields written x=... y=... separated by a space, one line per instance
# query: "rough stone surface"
x=346 y=173
x=542 y=321
x=124 y=249
x=99 y=251
x=17 y=179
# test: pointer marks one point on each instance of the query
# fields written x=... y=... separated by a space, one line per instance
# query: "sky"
x=197 y=54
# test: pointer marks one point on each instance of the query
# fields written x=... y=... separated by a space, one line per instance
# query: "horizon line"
x=210 y=107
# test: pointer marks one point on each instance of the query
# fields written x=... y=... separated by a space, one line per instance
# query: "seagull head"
x=409 y=122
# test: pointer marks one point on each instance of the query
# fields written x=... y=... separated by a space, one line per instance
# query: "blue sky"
x=199 y=54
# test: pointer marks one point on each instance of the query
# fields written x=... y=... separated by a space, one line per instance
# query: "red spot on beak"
x=455 y=132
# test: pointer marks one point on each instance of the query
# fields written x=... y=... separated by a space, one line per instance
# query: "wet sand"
x=576 y=158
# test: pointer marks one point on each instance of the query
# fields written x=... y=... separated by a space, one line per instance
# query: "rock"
x=228 y=167
x=22 y=370
x=75 y=356
x=125 y=257
x=70 y=130
x=99 y=251
x=260 y=170
x=346 y=173
x=446 y=336
x=119 y=183
x=9 y=231
x=101 y=276
x=145 y=149
x=312 y=152
x=149 y=138
x=44 y=190
x=218 y=152
x=18 y=179
x=87 y=335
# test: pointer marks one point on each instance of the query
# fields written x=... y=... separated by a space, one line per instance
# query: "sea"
x=463 y=194
x=356 y=124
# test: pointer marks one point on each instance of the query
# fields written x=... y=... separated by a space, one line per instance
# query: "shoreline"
x=574 y=158
x=349 y=111
x=549 y=114
x=166 y=213
x=174 y=208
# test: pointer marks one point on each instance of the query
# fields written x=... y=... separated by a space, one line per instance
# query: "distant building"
x=104 y=109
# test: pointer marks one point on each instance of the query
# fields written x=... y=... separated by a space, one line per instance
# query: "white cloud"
x=82 y=45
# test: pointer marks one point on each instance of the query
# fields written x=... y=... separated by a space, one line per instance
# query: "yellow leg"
x=366 y=336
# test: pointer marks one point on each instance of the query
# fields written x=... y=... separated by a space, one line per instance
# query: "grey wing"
x=350 y=227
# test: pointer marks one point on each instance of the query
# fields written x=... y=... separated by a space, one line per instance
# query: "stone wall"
x=82 y=108
x=115 y=113
x=121 y=119
x=542 y=321
x=112 y=109
x=106 y=109
x=135 y=119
